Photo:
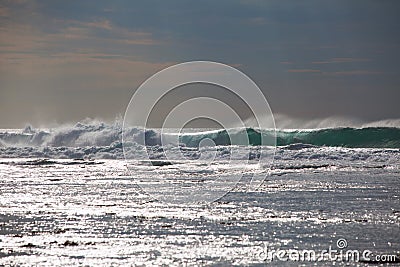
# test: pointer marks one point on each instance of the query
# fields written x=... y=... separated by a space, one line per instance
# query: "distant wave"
x=101 y=134
x=96 y=140
x=371 y=137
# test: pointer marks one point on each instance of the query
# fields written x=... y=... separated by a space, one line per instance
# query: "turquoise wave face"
x=98 y=135
x=374 y=137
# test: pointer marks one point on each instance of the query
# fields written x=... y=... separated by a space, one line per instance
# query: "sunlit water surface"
x=71 y=212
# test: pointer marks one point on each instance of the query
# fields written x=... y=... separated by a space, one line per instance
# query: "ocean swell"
x=101 y=134
x=105 y=140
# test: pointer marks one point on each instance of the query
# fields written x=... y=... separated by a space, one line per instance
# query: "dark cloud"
x=311 y=58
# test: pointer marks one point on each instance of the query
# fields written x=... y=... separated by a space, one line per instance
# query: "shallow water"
x=70 y=212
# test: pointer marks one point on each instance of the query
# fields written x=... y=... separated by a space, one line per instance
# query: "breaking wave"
x=371 y=137
x=101 y=134
x=104 y=140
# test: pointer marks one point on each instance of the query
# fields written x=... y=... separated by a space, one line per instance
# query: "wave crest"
x=101 y=134
x=104 y=140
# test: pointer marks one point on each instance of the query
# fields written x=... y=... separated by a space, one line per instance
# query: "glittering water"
x=71 y=212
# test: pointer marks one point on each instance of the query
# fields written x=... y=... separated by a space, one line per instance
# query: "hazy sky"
x=63 y=61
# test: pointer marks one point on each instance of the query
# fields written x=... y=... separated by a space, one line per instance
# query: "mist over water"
x=285 y=122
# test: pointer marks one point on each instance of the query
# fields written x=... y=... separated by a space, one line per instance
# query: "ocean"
x=68 y=197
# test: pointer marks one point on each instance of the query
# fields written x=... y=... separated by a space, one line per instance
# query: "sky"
x=64 y=61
